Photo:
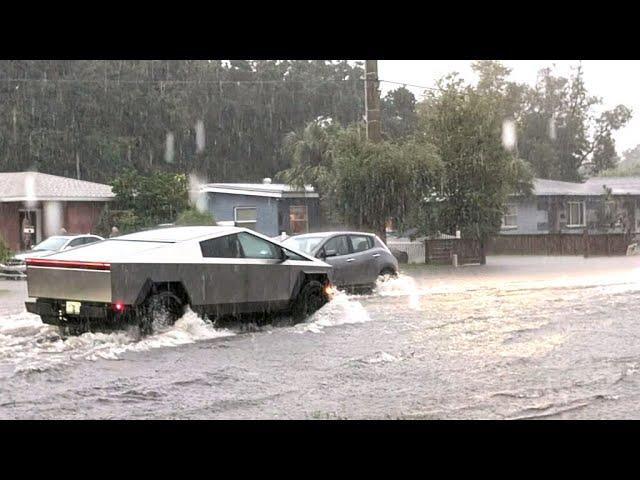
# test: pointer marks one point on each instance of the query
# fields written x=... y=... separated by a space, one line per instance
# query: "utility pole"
x=372 y=101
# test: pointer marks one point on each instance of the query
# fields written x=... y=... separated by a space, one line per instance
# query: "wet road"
x=523 y=337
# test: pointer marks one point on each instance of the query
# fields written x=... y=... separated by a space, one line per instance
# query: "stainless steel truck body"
x=213 y=270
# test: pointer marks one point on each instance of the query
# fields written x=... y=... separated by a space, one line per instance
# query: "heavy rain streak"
x=314 y=240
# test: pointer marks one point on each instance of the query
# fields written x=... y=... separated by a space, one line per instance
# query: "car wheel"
x=310 y=299
x=388 y=273
x=159 y=310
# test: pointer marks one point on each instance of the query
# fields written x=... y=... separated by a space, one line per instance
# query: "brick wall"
x=78 y=217
x=9 y=224
x=82 y=217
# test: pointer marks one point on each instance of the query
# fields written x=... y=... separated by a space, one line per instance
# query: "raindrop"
x=30 y=190
x=508 y=134
x=200 y=139
x=169 y=148
x=552 y=128
x=53 y=218
x=196 y=198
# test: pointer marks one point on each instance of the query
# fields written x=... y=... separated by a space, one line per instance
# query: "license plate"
x=73 y=308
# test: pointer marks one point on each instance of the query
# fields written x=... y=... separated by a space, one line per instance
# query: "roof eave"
x=56 y=199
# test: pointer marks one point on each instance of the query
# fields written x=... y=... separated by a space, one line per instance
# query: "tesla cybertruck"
x=153 y=276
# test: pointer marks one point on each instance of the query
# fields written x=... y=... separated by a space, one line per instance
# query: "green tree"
x=150 y=199
x=559 y=133
x=398 y=114
x=364 y=184
x=225 y=121
x=466 y=125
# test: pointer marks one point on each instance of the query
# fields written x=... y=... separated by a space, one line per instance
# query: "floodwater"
x=522 y=337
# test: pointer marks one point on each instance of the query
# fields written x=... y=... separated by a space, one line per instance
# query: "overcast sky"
x=615 y=81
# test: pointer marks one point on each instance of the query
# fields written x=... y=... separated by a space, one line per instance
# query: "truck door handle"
x=350 y=259
x=376 y=255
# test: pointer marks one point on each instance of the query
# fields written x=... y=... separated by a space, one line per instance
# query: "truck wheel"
x=160 y=309
x=310 y=299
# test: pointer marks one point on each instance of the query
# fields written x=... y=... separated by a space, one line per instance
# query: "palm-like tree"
x=310 y=154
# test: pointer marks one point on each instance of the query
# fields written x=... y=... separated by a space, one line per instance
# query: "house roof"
x=275 y=190
x=618 y=185
x=36 y=186
x=592 y=187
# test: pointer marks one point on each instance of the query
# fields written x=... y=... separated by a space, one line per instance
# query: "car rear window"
x=340 y=244
x=361 y=243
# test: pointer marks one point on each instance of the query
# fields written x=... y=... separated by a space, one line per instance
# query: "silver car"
x=152 y=277
x=357 y=258
x=16 y=267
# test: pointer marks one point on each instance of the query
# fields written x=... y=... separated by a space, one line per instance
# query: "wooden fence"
x=439 y=252
x=560 y=244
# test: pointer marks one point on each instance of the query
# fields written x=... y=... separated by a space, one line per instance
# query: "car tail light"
x=43 y=262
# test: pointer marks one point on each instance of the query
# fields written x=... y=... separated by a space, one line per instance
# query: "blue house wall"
x=549 y=214
x=272 y=213
x=531 y=219
x=222 y=206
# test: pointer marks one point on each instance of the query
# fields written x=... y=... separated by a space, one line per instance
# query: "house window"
x=298 y=219
x=610 y=207
x=246 y=217
x=576 y=214
x=510 y=217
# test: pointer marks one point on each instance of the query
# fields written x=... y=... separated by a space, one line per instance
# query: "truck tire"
x=310 y=299
x=159 y=310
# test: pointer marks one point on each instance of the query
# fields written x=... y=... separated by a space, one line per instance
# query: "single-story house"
x=266 y=207
x=39 y=205
x=599 y=205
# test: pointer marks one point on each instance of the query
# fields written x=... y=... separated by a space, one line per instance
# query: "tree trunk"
x=483 y=253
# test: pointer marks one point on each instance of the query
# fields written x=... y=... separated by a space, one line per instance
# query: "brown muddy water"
x=522 y=337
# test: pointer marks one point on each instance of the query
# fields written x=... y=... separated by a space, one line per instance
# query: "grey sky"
x=615 y=81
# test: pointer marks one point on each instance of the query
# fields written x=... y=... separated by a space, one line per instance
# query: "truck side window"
x=254 y=247
x=221 y=247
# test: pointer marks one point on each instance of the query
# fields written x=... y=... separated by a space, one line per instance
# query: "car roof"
x=178 y=234
x=71 y=237
x=329 y=234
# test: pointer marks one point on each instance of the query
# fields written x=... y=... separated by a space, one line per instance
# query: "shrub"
x=5 y=251
x=194 y=217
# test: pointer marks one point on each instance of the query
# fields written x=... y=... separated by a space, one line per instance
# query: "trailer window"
x=246 y=217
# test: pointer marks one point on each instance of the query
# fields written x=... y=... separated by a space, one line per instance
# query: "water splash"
x=30 y=345
x=342 y=310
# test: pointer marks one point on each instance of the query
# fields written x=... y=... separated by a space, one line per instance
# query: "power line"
x=411 y=85
x=211 y=82
x=207 y=82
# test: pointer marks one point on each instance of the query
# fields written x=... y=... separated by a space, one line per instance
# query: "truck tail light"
x=43 y=262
